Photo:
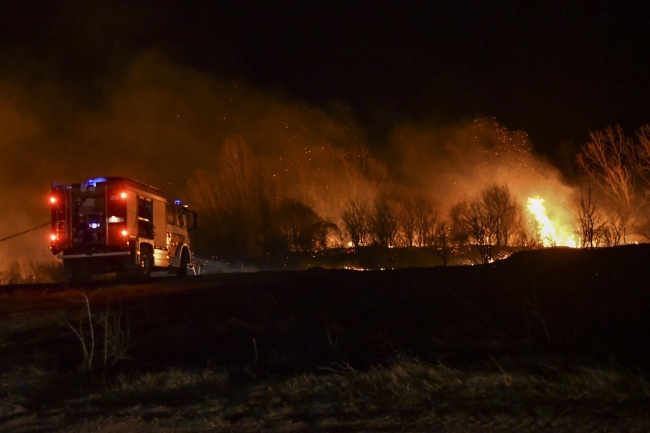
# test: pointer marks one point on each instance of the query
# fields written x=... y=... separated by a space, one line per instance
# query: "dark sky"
x=442 y=94
x=556 y=70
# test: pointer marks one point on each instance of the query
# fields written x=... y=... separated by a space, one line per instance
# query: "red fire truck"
x=116 y=224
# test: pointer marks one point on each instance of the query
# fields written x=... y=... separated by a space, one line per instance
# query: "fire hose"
x=25 y=231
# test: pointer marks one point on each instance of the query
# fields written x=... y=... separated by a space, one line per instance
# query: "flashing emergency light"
x=94 y=225
x=95 y=181
x=52 y=199
x=177 y=202
x=123 y=195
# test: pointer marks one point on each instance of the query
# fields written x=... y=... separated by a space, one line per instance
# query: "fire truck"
x=117 y=224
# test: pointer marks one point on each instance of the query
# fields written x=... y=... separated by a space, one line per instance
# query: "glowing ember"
x=548 y=233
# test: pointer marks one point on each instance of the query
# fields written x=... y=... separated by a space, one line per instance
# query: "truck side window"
x=145 y=218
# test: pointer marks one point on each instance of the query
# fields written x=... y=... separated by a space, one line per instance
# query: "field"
x=548 y=340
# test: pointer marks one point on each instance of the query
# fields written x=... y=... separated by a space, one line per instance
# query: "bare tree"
x=611 y=234
x=620 y=166
x=425 y=222
x=589 y=219
x=442 y=241
x=296 y=224
x=356 y=219
x=490 y=219
x=383 y=224
x=607 y=159
x=407 y=220
x=503 y=213
x=470 y=226
x=323 y=230
x=643 y=155
x=417 y=221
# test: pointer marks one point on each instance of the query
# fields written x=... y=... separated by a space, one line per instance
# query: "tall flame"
x=547 y=230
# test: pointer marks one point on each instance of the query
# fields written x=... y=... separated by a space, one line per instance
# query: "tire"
x=146 y=264
x=185 y=261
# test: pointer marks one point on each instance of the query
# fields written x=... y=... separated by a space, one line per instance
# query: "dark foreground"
x=551 y=340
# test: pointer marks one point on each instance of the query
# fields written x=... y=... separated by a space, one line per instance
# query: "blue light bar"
x=94 y=182
x=178 y=202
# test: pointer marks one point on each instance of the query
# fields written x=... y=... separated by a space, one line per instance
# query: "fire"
x=548 y=232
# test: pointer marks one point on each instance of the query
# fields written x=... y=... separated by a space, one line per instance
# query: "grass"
x=405 y=395
x=453 y=350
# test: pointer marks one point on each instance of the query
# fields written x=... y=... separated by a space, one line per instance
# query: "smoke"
x=158 y=122
x=161 y=123
x=449 y=163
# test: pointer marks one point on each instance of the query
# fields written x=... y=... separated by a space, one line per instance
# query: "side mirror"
x=189 y=219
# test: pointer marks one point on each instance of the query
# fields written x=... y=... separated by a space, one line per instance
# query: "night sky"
x=556 y=70
x=153 y=89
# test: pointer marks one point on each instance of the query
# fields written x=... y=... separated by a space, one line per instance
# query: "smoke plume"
x=162 y=123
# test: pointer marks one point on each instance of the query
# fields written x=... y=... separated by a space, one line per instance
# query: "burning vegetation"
x=494 y=197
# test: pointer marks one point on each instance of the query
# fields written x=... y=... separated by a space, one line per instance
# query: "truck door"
x=160 y=232
x=145 y=217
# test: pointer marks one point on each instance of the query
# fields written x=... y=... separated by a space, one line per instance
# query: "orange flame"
x=548 y=232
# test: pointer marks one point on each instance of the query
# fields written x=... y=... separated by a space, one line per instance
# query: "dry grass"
x=407 y=395
x=22 y=271
x=205 y=359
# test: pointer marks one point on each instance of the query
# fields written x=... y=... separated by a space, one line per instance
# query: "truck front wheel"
x=146 y=264
x=185 y=261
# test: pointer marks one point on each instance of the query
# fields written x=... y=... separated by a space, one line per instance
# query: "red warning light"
x=52 y=200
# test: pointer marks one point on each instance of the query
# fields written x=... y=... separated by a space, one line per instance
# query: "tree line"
x=247 y=213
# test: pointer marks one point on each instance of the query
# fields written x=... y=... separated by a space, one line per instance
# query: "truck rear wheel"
x=146 y=264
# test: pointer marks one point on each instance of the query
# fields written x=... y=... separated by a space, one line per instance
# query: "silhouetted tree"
x=502 y=212
x=611 y=233
x=296 y=224
x=323 y=230
x=589 y=218
x=356 y=220
x=489 y=219
x=416 y=221
x=382 y=226
x=442 y=241
x=407 y=220
x=425 y=222
x=620 y=166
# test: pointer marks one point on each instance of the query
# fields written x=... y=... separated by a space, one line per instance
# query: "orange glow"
x=124 y=233
x=52 y=199
x=53 y=237
x=123 y=195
